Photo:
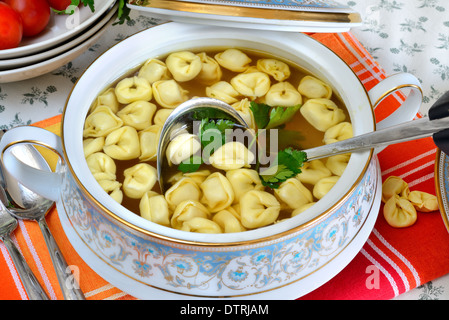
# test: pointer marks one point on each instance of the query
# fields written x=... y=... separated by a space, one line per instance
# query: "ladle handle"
x=32 y=286
x=67 y=281
x=406 y=131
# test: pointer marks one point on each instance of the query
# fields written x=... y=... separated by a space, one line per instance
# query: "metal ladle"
x=436 y=125
x=183 y=117
x=35 y=207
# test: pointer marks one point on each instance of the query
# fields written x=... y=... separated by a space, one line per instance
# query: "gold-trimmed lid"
x=281 y=15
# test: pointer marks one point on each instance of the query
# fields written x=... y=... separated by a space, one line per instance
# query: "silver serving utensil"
x=7 y=225
x=183 y=117
x=35 y=207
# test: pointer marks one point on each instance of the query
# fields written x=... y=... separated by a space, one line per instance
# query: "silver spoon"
x=7 y=225
x=183 y=117
x=35 y=207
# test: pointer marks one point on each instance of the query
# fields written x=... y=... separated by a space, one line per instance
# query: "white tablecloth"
x=410 y=36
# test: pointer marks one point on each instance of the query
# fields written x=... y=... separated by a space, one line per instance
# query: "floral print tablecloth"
x=402 y=35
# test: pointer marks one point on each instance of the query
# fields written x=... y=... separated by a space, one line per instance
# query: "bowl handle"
x=45 y=183
x=408 y=109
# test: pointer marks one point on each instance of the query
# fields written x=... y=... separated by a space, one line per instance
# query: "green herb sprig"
x=122 y=14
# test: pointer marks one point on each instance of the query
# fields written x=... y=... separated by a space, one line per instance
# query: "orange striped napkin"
x=403 y=258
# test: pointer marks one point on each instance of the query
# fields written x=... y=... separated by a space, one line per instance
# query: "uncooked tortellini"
x=314 y=88
x=169 y=94
x=217 y=192
x=210 y=70
x=283 y=94
x=122 y=144
x=242 y=181
x=182 y=147
x=258 y=209
x=233 y=59
x=139 y=179
x=154 y=70
x=423 y=201
x=253 y=85
x=339 y=132
x=394 y=186
x=223 y=91
x=101 y=122
x=294 y=193
x=183 y=65
x=132 y=89
x=322 y=113
x=399 y=212
x=137 y=114
x=154 y=207
x=231 y=155
x=279 y=70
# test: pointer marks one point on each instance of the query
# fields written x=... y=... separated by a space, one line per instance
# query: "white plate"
x=54 y=63
x=59 y=29
x=292 y=291
x=21 y=62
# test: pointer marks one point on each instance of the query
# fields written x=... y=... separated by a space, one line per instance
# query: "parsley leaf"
x=267 y=117
x=221 y=125
x=191 y=164
x=287 y=165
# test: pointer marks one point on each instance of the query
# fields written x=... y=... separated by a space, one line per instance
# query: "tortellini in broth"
x=226 y=193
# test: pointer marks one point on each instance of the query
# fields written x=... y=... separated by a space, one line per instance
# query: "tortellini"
x=202 y=225
x=139 y=179
x=154 y=70
x=242 y=181
x=339 y=132
x=122 y=144
x=279 y=70
x=182 y=147
x=138 y=114
x=161 y=116
x=101 y=122
x=210 y=70
x=322 y=113
x=337 y=164
x=323 y=186
x=107 y=99
x=101 y=166
x=154 y=207
x=294 y=193
x=423 y=201
x=92 y=145
x=183 y=65
x=258 y=209
x=243 y=109
x=314 y=88
x=149 y=141
x=217 y=192
x=399 y=212
x=283 y=94
x=133 y=89
x=183 y=190
x=253 y=85
x=233 y=59
x=186 y=211
x=228 y=220
x=169 y=94
x=313 y=171
x=223 y=91
x=394 y=186
x=231 y=155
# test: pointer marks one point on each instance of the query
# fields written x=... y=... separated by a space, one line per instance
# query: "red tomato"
x=35 y=15
x=60 y=5
x=10 y=27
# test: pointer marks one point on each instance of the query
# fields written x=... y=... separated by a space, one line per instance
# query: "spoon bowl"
x=183 y=117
